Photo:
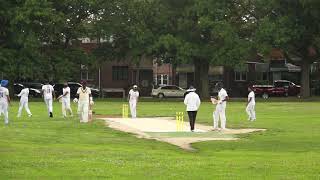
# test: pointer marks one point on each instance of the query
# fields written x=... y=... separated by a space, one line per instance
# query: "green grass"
x=43 y=148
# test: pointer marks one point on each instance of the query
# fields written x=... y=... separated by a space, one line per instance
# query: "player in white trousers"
x=251 y=105
x=48 y=95
x=220 y=112
x=65 y=100
x=85 y=99
x=133 y=100
x=24 y=98
x=4 y=101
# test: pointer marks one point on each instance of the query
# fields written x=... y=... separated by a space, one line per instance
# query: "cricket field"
x=56 y=148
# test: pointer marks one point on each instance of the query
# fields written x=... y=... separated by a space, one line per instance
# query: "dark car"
x=279 y=88
x=17 y=87
x=33 y=85
x=74 y=86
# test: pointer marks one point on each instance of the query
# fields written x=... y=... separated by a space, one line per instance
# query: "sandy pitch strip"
x=142 y=126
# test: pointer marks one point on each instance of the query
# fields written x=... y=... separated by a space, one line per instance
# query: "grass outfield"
x=43 y=148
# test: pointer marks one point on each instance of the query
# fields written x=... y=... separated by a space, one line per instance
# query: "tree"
x=202 y=32
x=293 y=26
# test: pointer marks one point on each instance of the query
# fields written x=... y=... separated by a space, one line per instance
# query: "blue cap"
x=4 y=83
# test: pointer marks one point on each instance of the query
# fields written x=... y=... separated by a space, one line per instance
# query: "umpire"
x=192 y=101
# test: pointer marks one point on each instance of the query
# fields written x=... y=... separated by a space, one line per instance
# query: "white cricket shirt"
x=4 y=92
x=47 y=91
x=252 y=96
x=222 y=96
x=24 y=94
x=192 y=101
x=134 y=95
x=67 y=96
x=84 y=94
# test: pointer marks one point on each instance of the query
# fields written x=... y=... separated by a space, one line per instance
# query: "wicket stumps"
x=125 y=111
x=179 y=121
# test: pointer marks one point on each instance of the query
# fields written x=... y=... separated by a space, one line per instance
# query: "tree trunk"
x=305 y=78
x=201 y=77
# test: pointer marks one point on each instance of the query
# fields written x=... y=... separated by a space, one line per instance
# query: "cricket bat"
x=90 y=113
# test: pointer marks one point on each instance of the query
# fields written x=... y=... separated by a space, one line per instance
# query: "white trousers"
x=4 y=111
x=133 y=108
x=219 y=114
x=49 y=105
x=83 y=111
x=66 y=106
x=251 y=111
x=23 y=104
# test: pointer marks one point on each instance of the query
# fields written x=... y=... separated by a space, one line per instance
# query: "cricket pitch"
x=164 y=129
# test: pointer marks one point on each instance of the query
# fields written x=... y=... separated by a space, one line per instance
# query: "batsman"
x=84 y=103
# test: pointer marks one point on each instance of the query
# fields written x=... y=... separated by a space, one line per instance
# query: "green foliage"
x=45 y=148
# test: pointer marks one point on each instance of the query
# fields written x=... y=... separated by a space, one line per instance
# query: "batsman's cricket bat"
x=90 y=113
x=213 y=100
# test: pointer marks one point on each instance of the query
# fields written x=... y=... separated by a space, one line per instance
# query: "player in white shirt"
x=65 y=100
x=24 y=101
x=4 y=100
x=192 y=101
x=85 y=99
x=251 y=105
x=220 y=112
x=133 y=100
x=48 y=95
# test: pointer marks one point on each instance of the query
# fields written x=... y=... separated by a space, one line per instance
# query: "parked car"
x=33 y=85
x=279 y=88
x=168 y=91
x=17 y=87
x=74 y=86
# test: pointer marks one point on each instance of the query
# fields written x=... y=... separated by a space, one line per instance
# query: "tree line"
x=38 y=38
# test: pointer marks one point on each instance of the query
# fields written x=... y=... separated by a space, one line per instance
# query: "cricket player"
x=192 y=101
x=85 y=99
x=65 y=100
x=48 y=95
x=133 y=100
x=251 y=105
x=220 y=112
x=24 y=94
x=4 y=101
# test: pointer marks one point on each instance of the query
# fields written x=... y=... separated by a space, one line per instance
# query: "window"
x=262 y=76
x=240 y=76
x=162 y=79
x=119 y=73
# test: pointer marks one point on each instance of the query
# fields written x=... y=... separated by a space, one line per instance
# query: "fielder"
x=65 y=100
x=48 y=94
x=251 y=105
x=133 y=100
x=85 y=100
x=24 y=102
x=4 y=101
x=220 y=112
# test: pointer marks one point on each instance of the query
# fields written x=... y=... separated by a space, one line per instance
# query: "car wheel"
x=160 y=96
x=265 y=96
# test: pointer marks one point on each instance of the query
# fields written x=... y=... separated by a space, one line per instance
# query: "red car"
x=279 y=88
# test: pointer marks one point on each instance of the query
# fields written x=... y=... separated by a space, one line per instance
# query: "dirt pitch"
x=164 y=129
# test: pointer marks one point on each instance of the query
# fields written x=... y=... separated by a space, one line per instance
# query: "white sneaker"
x=30 y=115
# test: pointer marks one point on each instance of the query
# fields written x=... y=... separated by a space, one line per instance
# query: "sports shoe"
x=51 y=115
x=30 y=115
